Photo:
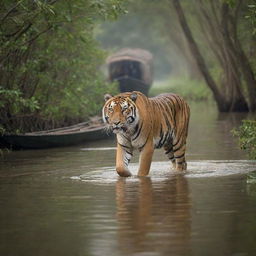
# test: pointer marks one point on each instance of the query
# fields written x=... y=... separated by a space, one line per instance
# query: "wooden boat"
x=132 y=69
x=71 y=135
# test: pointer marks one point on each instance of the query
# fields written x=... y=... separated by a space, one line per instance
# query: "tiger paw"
x=181 y=166
x=123 y=173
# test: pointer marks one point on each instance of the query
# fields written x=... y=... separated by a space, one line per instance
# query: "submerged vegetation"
x=247 y=137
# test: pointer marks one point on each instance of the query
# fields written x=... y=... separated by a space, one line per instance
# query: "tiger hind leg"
x=169 y=152
x=181 y=165
x=179 y=155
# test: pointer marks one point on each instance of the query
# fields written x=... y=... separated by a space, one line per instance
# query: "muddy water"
x=69 y=201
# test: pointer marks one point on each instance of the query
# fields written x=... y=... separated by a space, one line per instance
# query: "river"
x=70 y=201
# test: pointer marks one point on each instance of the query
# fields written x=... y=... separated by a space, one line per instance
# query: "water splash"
x=162 y=171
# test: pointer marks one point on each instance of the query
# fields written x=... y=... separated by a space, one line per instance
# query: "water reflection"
x=149 y=214
x=70 y=201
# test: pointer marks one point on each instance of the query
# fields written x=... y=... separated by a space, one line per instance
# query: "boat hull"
x=41 y=141
x=128 y=84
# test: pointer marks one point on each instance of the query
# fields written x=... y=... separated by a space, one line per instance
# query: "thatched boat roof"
x=135 y=54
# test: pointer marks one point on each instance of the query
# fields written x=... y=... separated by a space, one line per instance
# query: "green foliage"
x=231 y=3
x=251 y=16
x=14 y=99
x=49 y=62
x=247 y=136
x=249 y=12
x=193 y=90
x=221 y=30
x=251 y=179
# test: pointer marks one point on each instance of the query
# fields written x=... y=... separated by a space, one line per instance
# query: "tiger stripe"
x=146 y=123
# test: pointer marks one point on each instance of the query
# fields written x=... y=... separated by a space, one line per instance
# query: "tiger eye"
x=126 y=110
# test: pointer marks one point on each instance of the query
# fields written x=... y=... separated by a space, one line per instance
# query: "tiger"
x=144 y=124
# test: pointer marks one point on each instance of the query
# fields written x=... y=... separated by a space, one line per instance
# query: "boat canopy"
x=131 y=62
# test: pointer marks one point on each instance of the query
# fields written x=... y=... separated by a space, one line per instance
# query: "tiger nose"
x=117 y=122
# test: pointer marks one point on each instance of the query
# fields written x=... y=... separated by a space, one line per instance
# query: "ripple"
x=219 y=168
x=161 y=171
x=98 y=149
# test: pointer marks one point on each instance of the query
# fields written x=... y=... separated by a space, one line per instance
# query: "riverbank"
x=192 y=90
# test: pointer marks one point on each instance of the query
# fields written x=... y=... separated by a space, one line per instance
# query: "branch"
x=36 y=36
x=53 y=2
x=212 y=34
x=234 y=19
x=10 y=11
x=197 y=54
x=23 y=31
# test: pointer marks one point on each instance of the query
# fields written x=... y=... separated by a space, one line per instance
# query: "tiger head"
x=120 y=112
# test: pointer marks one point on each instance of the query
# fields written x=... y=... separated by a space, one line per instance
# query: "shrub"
x=49 y=62
x=247 y=137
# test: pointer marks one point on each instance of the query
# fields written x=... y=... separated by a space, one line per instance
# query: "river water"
x=70 y=201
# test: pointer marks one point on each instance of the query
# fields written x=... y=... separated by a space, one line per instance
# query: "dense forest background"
x=209 y=41
x=52 y=52
x=49 y=62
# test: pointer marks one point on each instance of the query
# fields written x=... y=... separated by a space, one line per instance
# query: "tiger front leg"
x=146 y=159
x=123 y=156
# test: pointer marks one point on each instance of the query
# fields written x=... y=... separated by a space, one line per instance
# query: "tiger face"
x=120 y=113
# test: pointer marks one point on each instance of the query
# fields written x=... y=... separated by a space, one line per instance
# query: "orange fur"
x=146 y=123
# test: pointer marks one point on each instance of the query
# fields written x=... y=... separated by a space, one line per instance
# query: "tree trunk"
x=221 y=103
x=241 y=58
x=238 y=102
x=176 y=37
x=248 y=77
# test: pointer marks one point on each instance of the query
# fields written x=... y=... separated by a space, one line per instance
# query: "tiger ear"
x=133 y=96
x=107 y=97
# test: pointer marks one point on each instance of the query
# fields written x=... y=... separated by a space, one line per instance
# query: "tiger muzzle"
x=118 y=127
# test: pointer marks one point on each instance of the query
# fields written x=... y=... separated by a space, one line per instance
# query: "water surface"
x=70 y=201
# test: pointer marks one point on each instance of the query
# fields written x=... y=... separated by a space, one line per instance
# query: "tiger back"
x=145 y=124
